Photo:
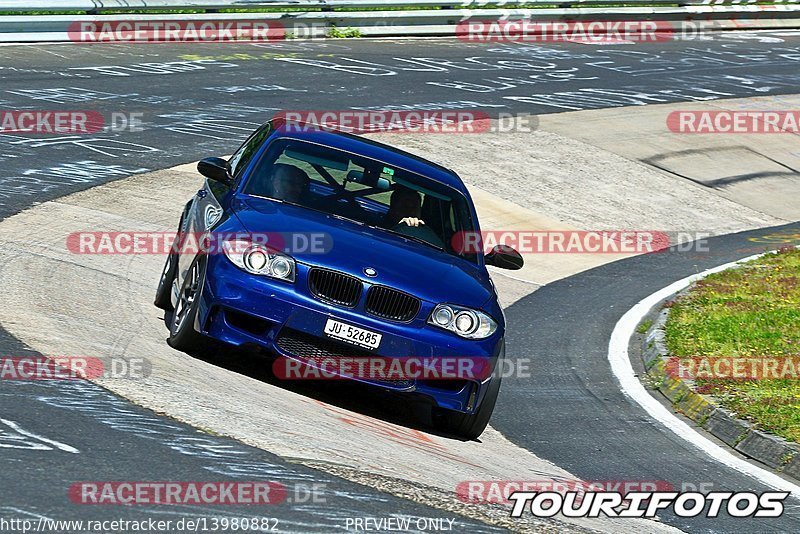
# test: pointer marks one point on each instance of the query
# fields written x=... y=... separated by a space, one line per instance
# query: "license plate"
x=352 y=334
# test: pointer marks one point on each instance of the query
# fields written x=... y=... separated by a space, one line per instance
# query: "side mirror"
x=505 y=257
x=215 y=169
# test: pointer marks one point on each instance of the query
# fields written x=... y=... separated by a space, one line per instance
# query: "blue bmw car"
x=332 y=245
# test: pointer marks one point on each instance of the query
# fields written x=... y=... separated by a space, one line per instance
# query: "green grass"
x=339 y=33
x=644 y=326
x=749 y=311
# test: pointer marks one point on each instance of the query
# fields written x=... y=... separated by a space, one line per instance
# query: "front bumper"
x=239 y=308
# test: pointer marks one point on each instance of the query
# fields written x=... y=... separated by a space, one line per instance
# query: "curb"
x=779 y=454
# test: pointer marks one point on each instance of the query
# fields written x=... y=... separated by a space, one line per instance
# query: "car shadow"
x=373 y=401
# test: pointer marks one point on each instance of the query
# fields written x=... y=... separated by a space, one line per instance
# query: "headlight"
x=468 y=323
x=442 y=316
x=258 y=259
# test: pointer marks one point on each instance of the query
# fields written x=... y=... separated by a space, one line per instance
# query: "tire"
x=182 y=335
x=469 y=426
x=163 y=298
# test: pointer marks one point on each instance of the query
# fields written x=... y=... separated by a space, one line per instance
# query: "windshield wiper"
x=318 y=210
x=342 y=217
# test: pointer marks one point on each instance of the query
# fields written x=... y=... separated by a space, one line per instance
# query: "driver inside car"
x=289 y=183
x=405 y=208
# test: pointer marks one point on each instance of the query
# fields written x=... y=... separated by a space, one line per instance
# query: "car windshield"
x=362 y=190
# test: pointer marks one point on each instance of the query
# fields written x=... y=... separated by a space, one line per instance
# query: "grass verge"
x=751 y=311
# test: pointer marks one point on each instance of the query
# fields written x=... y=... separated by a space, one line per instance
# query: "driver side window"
x=242 y=157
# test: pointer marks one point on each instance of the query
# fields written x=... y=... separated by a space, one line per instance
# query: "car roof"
x=393 y=157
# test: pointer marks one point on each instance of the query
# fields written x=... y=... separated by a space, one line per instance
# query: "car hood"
x=350 y=247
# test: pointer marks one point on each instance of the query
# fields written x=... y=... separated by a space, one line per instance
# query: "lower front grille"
x=308 y=347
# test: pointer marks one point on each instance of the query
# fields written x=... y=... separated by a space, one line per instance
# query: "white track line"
x=57 y=444
x=633 y=388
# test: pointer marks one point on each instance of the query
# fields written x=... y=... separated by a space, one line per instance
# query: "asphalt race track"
x=202 y=100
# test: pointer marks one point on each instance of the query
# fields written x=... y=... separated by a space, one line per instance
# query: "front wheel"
x=163 y=298
x=182 y=335
x=469 y=426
